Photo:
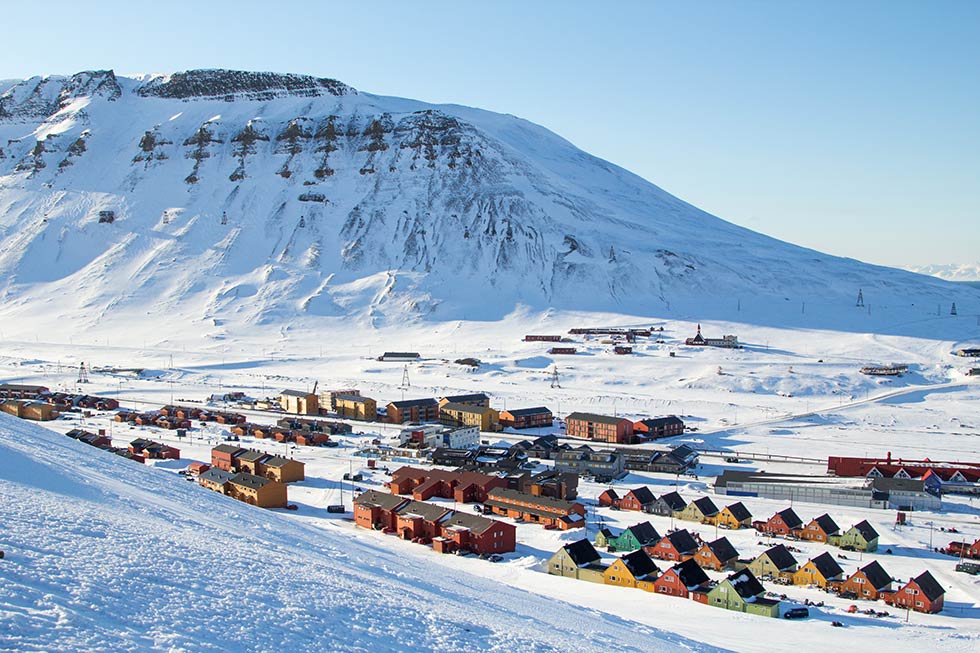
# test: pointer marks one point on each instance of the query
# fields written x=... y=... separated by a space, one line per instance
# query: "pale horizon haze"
x=850 y=128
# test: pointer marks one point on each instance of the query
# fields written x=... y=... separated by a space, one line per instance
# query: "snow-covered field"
x=789 y=392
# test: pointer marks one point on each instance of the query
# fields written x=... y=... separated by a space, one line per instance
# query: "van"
x=796 y=613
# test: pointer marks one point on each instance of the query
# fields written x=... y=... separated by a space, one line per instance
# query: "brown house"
x=215 y=479
x=609 y=499
x=463 y=487
x=257 y=491
x=303 y=403
x=526 y=418
x=413 y=410
x=478 y=399
x=599 y=427
x=718 y=555
x=659 y=427
x=282 y=469
x=556 y=513
x=482 y=417
x=356 y=407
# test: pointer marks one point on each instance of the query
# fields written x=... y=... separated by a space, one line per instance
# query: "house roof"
x=606 y=532
x=739 y=511
x=598 y=419
x=216 y=475
x=827 y=524
x=515 y=495
x=745 y=584
x=479 y=396
x=427 y=511
x=525 y=412
x=656 y=422
x=867 y=530
x=673 y=500
x=827 y=565
x=251 y=455
x=463 y=408
x=582 y=552
x=932 y=589
x=276 y=461
x=383 y=500
x=780 y=556
x=682 y=540
x=640 y=563
x=409 y=403
x=249 y=480
x=294 y=393
x=706 y=506
x=611 y=493
x=643 y=495
x=474 y=523
x=876 y=575
x=690 y=573
x=645 y=533
x=790 y=518
x=400 y=354
x=723 y=549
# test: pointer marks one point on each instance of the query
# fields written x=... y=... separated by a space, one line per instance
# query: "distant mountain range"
x=950 y=271
x=232 y=199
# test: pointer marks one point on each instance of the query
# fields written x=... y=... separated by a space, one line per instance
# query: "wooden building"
x=462 y=487
x=632 y=568
x=668 y=505
x=639 y=499
x=677 y=546
x=659 y=427
x=599 y=427
x=413 y=410
x=680 y=580
x=482 y=417
x=283 y=470
x=785 y=522
x=356 y=407
x=302 y=403
x=637 y=536
x=742 y=592
x=257 y=491
x=476 y=399
x=775 y=562
x=547 y=511
x=821 y=571
x=701 y=510
x=578 y=560
x=526 y=418
x=922 y=594
x=859 y=537
x=868 y=582
x=734 y=516
x=718 y=555
x=821 y=529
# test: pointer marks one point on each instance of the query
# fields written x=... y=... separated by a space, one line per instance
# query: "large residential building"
x=356 y=407
x=536 y=509
x=599 y=427
x=482 y=417
x=302 y=403
x=463 y=487
x=603 y=465
x=477 y=399
x=413 y=410
x=659 y=427
x=526 y=418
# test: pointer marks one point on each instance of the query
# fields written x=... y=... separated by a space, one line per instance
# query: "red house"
x=678 y=546
x=782 y=523
x=464 y=487
x=681 y=579
x=223 y=456
x=922 y=594
x=639 y=499
x=609 y=499
x=477 y=534
x=155 y=450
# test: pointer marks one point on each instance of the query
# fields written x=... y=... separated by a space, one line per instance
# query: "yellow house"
x=631 y=569
x=734 y=516
x=819 y=571
x=701 y=510
x=303 y=403
x=356 y=407
x=282 y=469
x=486 y=419
x=257 y=491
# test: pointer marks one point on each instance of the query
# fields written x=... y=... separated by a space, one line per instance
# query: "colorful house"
x=776 y=562
x=215 y=480
x=630 y=569
x=609 y=499
x=820 y=571
x=466 y=532
x=483 y=417
x=734 y=516
x=578 y=560
x=413 y=410
x=859 y=537
x=463 y=487
x=547 y=511
x=635 y=537
x=868 y=582
x=599 y=427
x=784 y=523
x=742 y=592
x=922 y=594
x=701 y=510
x=677 y=546
x=639 y=499
x=680 y=580
x=717 y=555
x=659 y=427
x=821 y=529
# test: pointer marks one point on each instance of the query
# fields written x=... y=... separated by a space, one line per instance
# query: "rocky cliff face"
x=261 y=198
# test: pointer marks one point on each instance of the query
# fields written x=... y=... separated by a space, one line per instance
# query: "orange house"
x=820 y=529
x=868 y=582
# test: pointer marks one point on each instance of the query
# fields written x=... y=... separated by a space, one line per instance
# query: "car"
x=796 y=613
x=550 y=527
x=337 y=507
x=848 y=595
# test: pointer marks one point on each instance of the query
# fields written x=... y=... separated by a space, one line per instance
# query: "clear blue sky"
x=849 y=127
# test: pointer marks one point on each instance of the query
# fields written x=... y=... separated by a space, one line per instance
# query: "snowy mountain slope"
x=251 y=198
x=103 y=554
x=950 y=271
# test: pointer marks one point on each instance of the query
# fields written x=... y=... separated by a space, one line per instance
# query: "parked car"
x=796 y=613
x=337 y=507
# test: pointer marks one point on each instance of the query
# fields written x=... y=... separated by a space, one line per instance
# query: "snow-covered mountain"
x=235 y=198
x=950 y=271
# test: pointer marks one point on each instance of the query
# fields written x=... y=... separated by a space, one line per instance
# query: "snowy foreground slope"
x=106 y=555
x=242 y=200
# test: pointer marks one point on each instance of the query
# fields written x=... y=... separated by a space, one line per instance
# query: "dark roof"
x=673 y=501
x=582 y=552
x=408 y=403
x=790 y=518
x=275 y=461
x=643 y=495
x=474 y=523
x=706 y=506
x=383 y=500
x=252 y=455
x=515 y=495
x=780 y=557
x=827 y=524
x=427 y=511
x=216 y=475
x=683 y=541
x=827 y=565
x=746 y=584
x=876 y=575
x=464 y=408
x=723 y=549
x=739 y=511
x=640 y=563
x=227 y=448
x=929 y=586
x=690 y=573
x=654 y=422
x=249 y=480
x=612 y=494
x=606 y=532
x=598 y=419
x=294 y=393
x=524 y=412
x=471 y=397
x=645 y=533
x=400 y=354
x=867 y=530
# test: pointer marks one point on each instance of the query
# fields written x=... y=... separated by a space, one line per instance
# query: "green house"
x=633 y=538
x=859 y=537
x=742 y=592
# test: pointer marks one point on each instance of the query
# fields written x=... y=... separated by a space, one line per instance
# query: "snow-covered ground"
x=791 y=392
